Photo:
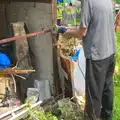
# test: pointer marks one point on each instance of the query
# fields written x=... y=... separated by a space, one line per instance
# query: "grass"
x=116 y=114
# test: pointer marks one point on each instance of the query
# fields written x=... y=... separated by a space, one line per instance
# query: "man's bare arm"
x=78 y=33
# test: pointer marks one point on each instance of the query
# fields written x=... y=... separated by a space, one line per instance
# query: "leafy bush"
x=65 y=110
x=117 y=74
x=118 y=1
x=116 y=113
x=41 y=115
x=71 y=111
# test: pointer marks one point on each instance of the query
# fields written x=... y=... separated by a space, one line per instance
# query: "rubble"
x=68 y=47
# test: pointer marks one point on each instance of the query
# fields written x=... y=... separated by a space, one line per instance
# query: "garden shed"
x=20 y=18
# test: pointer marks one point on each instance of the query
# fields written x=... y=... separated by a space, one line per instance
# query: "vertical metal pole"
x=54 y=18
x=55 y=61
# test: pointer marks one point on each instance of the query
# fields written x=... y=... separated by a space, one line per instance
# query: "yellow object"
x=68 y=10
x=6 y=81
x=73 y=11
x=59 y=13
x=116 y=68
x=78 y=10
x=84 y=103
x=54 y=29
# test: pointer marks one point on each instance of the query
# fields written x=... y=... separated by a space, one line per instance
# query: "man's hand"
x=79 y=33
x=72 y=33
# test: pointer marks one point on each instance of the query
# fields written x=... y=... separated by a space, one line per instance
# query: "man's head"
x=117 y=10
x=70 y=4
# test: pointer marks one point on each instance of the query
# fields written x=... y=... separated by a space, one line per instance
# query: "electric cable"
x=87 y=85
x=15 y=86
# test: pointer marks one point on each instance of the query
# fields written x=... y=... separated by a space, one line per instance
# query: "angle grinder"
x=58 y=29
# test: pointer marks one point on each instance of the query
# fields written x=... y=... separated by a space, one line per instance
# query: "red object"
x=22 y=37
x=17 y=102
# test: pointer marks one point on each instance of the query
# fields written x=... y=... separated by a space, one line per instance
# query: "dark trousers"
x=99 y=88
x=59 y=22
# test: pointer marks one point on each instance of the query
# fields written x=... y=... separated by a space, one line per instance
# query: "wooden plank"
x=12 y=71
x=7 y=114
x=5 y=81
x=41 y=1
x=22 y=48
x=3 y=25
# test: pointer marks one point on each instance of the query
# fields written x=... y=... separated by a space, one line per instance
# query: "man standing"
x=98 y=34
x=59 y=15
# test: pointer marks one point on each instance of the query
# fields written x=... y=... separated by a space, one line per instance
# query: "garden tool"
x=58 y=29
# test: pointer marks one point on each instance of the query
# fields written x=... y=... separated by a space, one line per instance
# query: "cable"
x=15 y=88
x=87 y=85
x=20 y=76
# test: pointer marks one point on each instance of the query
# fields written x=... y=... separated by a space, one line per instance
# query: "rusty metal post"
x=57 y=89
x=54 y=13
x=22 y=37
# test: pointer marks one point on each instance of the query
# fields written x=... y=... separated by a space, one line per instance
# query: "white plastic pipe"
x=21 y=114
x=25 y=112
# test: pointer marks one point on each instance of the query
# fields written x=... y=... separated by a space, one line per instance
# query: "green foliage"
x=68 y=111
x=118 y=47
x=40 y=114
x=118 y=1
x=117 y=75
x=50 y=116
x=116 y=113
x=71 y=111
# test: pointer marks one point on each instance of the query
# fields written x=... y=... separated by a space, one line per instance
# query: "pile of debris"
x=68 y=47
x=58 y=108
x=64 y=109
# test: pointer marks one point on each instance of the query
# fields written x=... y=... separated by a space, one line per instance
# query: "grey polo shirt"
x=97 y=17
